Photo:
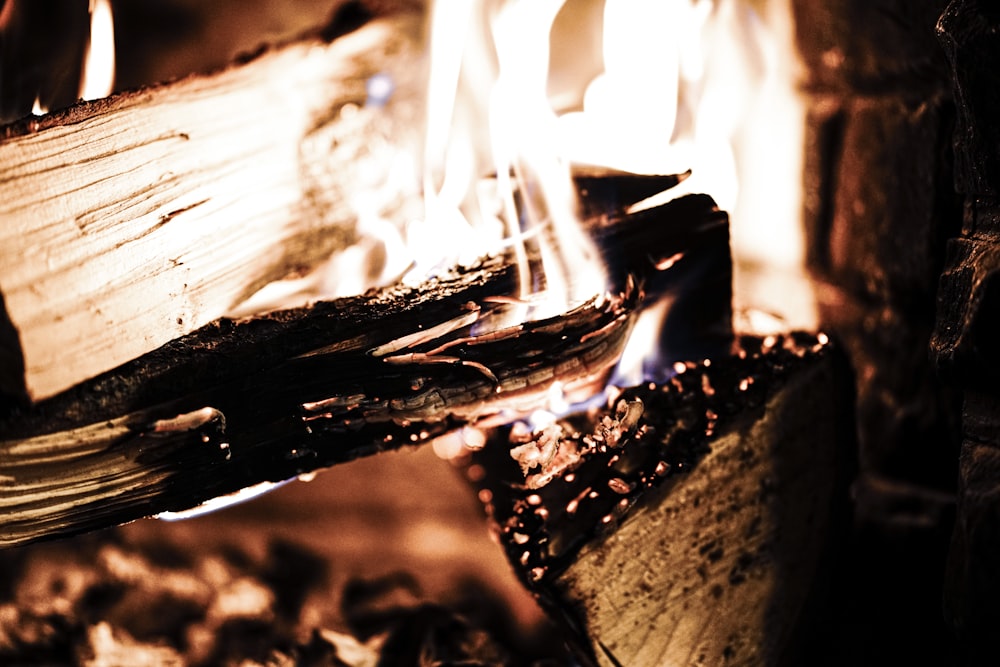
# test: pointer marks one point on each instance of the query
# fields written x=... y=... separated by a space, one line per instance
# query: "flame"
x=98 y=76
x=37 y=108
x=768 y=233
x=680 y=85
x=677 y=77
x=519 y=89
x=629 y=110
x=532 y=204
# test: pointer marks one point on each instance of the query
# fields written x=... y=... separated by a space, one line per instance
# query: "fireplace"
x=900 y=272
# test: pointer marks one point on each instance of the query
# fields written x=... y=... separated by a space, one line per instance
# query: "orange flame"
x=534 y=201
x=647 y=87
x=98 y=76
x=681 y=84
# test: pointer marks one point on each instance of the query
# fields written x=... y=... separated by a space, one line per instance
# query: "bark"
x=133 y=220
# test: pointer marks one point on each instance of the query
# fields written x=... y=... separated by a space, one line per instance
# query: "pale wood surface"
x=717 y=568
x=130 y=221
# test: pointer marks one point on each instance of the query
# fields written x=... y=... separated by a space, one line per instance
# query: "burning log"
x=878 y=96
x=242 y=403
x=687 y=522
x=136 y=219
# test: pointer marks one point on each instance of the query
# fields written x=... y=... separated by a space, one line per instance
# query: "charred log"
x=240 y=403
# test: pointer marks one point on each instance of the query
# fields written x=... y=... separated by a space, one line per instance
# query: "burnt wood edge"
x=309 y=412
x=691 y=228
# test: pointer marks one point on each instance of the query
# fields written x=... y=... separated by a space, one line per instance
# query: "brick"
x=892 y=200
x=870 y=44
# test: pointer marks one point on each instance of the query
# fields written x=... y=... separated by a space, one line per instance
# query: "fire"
x=768 y=147
x=97 y=79
x=518 y=90
x=630 y=109
x=700 y=85
x=98 y=76
x=46 y=77
x=679 y=85
x=533 y=203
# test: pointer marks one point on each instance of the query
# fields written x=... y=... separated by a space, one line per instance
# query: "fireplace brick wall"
x=879 y=206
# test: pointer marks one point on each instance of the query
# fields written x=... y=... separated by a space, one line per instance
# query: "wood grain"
x=130 y=221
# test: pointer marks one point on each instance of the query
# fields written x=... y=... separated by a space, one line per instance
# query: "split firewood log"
x=133 y=220
x=688 y=522
x=240 y=403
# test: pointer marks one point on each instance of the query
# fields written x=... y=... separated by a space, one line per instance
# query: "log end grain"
x=699 y=535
